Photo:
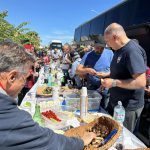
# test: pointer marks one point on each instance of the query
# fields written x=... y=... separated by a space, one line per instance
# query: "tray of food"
x=56 y=117
x=104 y=127
x=47 y=91
x=44 y=91
x=67 y=89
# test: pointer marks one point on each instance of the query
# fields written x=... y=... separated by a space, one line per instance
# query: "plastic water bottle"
x=64 y=101
x=64 y=104
x=49 y=80
x=41 y=80
x=119 y=113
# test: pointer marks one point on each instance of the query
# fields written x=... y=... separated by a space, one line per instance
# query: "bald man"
x=127 y=74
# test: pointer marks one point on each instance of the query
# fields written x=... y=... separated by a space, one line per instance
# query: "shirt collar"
x=2 y=91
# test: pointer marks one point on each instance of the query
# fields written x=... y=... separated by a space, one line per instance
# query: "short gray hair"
x=114 y=28
x=67 y=45
x=13 y=56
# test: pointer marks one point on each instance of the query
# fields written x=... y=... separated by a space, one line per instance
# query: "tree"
x=6 y=29
x=19 y=34
x=33 y=38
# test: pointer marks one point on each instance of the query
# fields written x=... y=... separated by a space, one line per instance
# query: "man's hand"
x=148 y=91
x=91 y=71
x=67 y=61
x=107 y=82
x=36 y=74
x=102 y=74
x=82 y=76
x=88 y=137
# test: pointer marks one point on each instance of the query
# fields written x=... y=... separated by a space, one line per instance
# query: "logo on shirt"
x=118 y=59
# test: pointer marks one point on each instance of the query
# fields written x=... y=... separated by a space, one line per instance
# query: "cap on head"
x=101 y=44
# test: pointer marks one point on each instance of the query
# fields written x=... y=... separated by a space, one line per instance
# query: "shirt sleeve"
x=29 y=135
x=135 y=62
x=83 y=59
x=111 y=56
x=73 y=69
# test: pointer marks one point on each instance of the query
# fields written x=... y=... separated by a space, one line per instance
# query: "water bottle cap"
x=120 y=103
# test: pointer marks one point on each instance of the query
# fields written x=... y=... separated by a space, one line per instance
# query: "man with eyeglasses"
x=17 y=129
x=127 y=74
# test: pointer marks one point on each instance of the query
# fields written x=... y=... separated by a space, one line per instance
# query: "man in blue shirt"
x=95 y=62
x=127 y=74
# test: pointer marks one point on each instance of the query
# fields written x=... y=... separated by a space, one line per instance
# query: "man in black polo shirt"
x=127 y=74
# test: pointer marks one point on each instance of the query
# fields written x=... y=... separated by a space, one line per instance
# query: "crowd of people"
x=115 y=66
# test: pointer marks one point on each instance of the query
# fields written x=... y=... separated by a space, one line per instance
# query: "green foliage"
x=19 y=34
x=3 y=14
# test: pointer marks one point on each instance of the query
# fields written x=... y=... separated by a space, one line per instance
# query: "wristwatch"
x=114 y=83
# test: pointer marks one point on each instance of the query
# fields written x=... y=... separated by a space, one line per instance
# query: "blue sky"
x=54 y=19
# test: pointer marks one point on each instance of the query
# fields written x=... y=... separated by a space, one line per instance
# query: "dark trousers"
x=105 y=98
x=66 y=77
x=132 y=119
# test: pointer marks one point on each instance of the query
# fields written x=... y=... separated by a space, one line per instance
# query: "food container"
x=64 y=113
x=94 y=99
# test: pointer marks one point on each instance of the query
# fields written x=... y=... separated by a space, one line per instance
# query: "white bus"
x=56 y=44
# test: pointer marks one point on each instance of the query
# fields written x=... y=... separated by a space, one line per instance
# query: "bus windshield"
x=56 y=45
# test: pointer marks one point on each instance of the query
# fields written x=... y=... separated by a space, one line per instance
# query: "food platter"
x=57 y=119
x=44 y=91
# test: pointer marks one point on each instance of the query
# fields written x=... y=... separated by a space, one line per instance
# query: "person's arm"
x=83 y=70
x=147 y=90
x=138 y=81
x=136 y=66
x=67 y=60
x=103 y=74
x=29 y=135
x=72 y=72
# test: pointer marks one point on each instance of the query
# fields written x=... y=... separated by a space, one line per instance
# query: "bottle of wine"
x=37 y=116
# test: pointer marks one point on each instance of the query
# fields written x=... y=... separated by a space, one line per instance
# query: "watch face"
x=114 y=83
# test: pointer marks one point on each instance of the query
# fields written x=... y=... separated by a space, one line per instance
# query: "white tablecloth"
x=129 y=140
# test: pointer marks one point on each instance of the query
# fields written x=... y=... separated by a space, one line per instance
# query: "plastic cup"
x=55 y=93
x=33 y=102
x=84 y=91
